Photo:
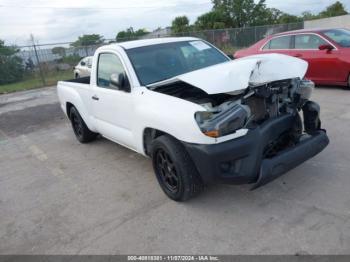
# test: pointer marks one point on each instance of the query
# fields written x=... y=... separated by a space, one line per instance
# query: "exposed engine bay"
x=226 y=113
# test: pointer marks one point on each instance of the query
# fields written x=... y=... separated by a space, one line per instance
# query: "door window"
x=340 y=36
x=283 y=42
x=108 y=64
x=310 y=41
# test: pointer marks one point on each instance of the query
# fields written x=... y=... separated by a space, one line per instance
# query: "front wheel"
x=174 y=169
x=81 y=131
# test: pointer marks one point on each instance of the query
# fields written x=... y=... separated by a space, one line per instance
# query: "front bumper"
x=241 y=161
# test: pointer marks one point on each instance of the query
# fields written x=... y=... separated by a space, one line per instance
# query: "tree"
x=141 y=32
x=125 y=35
x=211 y=20
x=287 y=19
x=307 y=15
x=241 y=13
x=87 y=40
x=335 y=9
x=61 y=51
x=11 y=66
x=129 y=34
x=180 y=24
x=268 y=16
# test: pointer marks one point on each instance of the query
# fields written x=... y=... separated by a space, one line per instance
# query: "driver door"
x=323 y=64
x=112 y=106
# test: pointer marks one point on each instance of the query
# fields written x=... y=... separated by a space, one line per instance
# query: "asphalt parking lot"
x=60 y=197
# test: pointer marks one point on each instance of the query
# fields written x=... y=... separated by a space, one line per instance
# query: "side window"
x=306 y=41
x=108 y=64
x=282 y=42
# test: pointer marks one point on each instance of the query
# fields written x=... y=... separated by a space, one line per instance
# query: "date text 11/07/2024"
x=173 y=258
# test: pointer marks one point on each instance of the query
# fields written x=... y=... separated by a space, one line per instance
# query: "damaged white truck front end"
x=258 y=98
x=230 y=91
x=211 y=119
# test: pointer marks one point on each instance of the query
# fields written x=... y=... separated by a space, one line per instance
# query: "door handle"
x=298 y=55
x=95 y=97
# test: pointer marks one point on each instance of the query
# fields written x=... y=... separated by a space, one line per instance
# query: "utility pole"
x=38 y=61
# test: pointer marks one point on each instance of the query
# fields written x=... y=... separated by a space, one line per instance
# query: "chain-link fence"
x=43 y=65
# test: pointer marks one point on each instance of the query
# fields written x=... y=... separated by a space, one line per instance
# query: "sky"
x=58 y=21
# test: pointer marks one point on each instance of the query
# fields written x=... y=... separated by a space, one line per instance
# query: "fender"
x=67 y=94
x=171 y=115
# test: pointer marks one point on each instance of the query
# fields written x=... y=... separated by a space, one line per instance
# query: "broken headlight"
x=217 y=124
x=305 y=89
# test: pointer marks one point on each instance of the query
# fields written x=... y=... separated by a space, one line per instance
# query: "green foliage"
x=180 y=24
x=141 y=32
x=333 y=10
x=61 y=51
x=287 y=19
x=127 y=34
x=87 y=40
x=31 y=81
x=307 y=15
x=244 y=13
x=211 y=20
x=11 y=67
x=7 y=50
x=71 y=59
x=241 y=13
x=130 y=34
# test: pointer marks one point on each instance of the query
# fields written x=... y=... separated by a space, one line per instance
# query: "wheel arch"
x=149 y=135
x=82 y=111
x=69 y=106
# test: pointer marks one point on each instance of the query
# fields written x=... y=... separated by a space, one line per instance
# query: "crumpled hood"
x=235 y=76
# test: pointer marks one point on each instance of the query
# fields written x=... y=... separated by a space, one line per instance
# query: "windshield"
x=340 y=36
x=160 y=62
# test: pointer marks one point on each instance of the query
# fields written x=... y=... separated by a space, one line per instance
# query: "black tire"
x=81 y=131
x=77 y=76
x=174 y=169
x=349 y=81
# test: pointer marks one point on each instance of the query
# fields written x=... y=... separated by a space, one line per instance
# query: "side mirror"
x=326 y=47
x=120 y=81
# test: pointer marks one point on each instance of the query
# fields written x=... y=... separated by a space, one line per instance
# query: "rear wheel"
x=81 y=131
x=77 y=76
x=349 y=81
x=174 y=169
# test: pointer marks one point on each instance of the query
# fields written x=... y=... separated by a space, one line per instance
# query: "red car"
x=326 y=50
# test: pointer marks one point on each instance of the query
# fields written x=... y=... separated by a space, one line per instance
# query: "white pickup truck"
x=199 y=116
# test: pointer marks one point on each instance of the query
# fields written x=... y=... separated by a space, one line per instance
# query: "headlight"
x=217 y=124
x=305 y=89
